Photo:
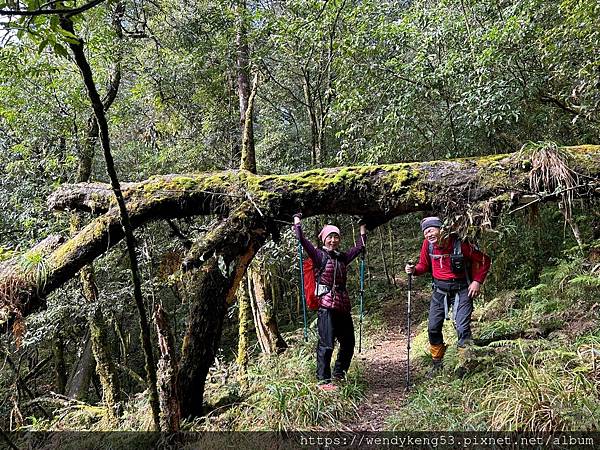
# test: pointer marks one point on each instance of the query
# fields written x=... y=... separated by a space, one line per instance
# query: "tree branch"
x=40 y=12
x=376 y=192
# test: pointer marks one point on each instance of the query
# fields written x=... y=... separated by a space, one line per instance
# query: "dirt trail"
x=385 y=366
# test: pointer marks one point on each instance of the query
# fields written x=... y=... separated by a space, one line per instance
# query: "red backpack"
x=310 y=282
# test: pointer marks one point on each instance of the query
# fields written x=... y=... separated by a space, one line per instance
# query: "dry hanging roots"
x=551 y=174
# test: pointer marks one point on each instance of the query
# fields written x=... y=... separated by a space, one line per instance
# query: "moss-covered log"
x=381 y=192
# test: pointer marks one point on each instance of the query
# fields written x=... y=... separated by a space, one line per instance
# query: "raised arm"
x=360 y=244
x=310 y=249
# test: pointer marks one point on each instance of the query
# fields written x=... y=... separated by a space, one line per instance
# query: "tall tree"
x=80 y=59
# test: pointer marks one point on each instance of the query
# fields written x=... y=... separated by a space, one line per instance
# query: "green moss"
x=92 y=231
x=322 y=179
x=585 y=157
x=398 y=180
x=489 y=160
x=179 y=183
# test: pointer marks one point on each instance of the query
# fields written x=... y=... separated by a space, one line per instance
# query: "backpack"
x=458 y=264
x=311 y=282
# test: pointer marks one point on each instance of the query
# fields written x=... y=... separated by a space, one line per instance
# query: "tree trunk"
x=243 y=332
x=60 y=371
x=105 y=367
x=207 y=289
x=265 y=322
x=210 y=288
x=167 y=375
x=246 y=94
x=81 y=375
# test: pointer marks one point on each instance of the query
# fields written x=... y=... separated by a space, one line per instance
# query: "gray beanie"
x=430 y=222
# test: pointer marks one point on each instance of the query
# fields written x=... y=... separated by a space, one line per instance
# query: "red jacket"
x=440 y=267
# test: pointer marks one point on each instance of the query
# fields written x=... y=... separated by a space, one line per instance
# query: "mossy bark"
x=263 y=312
x=207 y=289
x=101 y=349
x=246 y=93
x=210 y=288
x=243 y=333
x=60 y=371
x=105 y=368
x=167 y=374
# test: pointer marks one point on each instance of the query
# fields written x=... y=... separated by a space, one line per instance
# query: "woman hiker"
x=333 y=316
x=458 y=269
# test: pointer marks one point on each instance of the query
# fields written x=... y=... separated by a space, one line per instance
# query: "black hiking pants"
x=333 y=325
x=442 y=301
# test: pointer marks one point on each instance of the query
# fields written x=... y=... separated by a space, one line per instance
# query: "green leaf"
x=68 y=36
x=42 y=45
x=60 y=50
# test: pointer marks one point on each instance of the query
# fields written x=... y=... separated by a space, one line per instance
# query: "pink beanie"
x=327 y=230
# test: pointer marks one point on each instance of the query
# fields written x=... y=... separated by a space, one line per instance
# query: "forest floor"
x=384 y=363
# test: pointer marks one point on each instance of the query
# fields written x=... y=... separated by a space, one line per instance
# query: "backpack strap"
x=458 y=251
x=431 y=256
x=322 y=267
x=457 y=247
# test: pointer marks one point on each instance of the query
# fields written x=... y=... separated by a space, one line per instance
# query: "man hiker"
x=458 y=269
x=333 y=316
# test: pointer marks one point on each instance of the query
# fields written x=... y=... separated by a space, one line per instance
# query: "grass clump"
x=542 y=393
x=439 y=404
x=282 y=395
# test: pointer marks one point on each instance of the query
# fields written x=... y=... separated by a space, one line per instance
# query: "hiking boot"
x=436 y=368
x=327 y=387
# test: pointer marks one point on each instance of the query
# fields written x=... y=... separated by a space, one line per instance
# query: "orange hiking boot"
x=327 y=387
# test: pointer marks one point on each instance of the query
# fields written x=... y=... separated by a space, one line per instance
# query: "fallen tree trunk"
x=380 y=193
x=475 y=190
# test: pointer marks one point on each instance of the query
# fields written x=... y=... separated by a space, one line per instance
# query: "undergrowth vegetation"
x=282 y=396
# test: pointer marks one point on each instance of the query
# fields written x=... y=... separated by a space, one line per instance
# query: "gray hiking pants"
x=447 y=296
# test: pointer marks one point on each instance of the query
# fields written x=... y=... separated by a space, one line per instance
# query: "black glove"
x=373 y=222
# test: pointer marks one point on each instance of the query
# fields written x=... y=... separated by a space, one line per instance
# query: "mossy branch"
x=485 y=184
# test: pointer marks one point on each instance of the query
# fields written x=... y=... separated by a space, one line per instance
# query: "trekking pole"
x=362 y=296
x=302 y=290
x=408 y=332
